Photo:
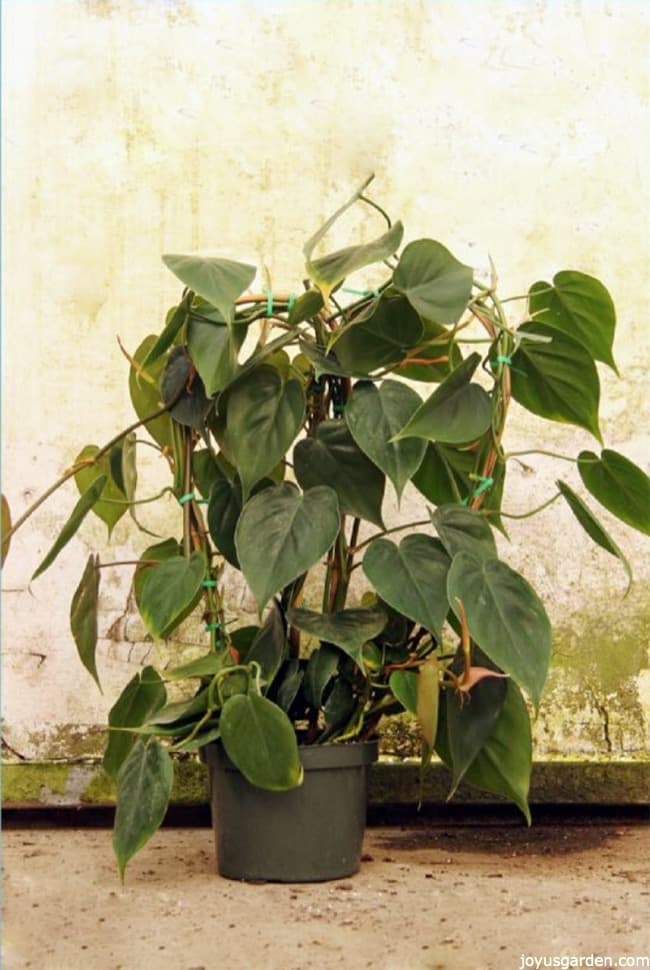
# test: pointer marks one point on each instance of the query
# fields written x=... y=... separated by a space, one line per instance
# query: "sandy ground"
x=427 y=898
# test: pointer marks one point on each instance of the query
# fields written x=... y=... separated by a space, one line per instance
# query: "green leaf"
x=306 y=306
x=380 y=340
x=219 y=281
x=592 y=526
x=557 y=380
x=321 y=667
x=214 y=349
x=333 y=458
x=505 y=616
x=208 y=469
x=109 y=512
x=325 y=363
x=145 y=393
x=178 y=712
x=169 y=592
x=374 y=415
x=338 y=708
x=503 y=765
x=457 y=411
x=269 y=648
x=6 y=526
x=403 y=684
x=435 y=283
x=580 y=306
x=153 y=554
x=224 y=509
x=264 y=416
x=143 y=695
x=83 y=616
x=328 y=271
x=411 y=578
x=78 y=514
x=281 y=534
x=164 y=341
x=443 y=475
x=348 y=629
x=259 y=739
x=206 y=666
x=461 y=529
x=291 y=679
x=181 y=383
x=144 y=785
x=437 y=370
x=427 y=704
x=619 y=485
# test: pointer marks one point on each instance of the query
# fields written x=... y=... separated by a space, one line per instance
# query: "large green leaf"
x=338 y=708
x=110 y=512
x=144 y=785
x=380 y=340
x=505 y=616
x=592 y=526
x=373 y=415
x=557 y=380
x=321 y=667
x=219 y=281
x=411 y=578
x=269 y=648
x=183 y=391
x=206 y=666
x=328 y=271
x=282 y=533
x=169 y=592
x=264 y=415
x=581 y=306
x=175 y=320
x=403 y=684
x=208 y=468
x=435 y=283
x=224 y=509
x=503 y=765
x=333 y=458
x=83 y=616
x=326 y=363
x=159 y=552
x=143 y=695
x=214 y=349
x=457 y=411
x=145 y=392
x=443 y=473
x=260 y=740
x=347 y=629
x=76 y=517
x=461 y=529
x=619 y=485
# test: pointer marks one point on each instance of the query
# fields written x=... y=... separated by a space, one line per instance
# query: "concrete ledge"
x=615 y=782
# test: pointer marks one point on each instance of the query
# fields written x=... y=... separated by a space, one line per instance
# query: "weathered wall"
x=134 y=128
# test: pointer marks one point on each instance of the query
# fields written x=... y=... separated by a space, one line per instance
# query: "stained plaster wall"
x=134 y=128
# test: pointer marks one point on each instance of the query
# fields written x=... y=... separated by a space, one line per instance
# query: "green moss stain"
x=33 y=782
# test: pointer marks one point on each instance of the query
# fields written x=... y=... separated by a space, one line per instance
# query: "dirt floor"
x=483 y=897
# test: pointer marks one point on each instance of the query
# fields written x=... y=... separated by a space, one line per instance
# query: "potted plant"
x=283 y=419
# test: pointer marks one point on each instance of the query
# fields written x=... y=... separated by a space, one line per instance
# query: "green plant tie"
x=348 y=289
x=209 y=583
x=290 y=304
x=269 y=303
x=212 y=626
x=507 y=361
x=190 y=497
x=485 y=483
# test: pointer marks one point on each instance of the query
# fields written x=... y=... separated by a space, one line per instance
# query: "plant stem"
x=524 y=515
x=387 y=532
x=537 y=451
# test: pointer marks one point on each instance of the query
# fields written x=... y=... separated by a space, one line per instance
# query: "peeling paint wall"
x=135 y=127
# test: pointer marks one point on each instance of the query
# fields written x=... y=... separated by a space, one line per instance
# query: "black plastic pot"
x=308 y=834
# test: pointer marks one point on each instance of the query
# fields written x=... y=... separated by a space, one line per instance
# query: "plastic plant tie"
x=269 y=303
x=212 y=626
x=503 y=360
x=209 y=583
x=290 y=304
x=191 y=497
x=485 y=483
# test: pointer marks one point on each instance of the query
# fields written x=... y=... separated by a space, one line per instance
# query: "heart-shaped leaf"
x=214 y=349
x=592 y=526
x=144 y=785
x=333 y=458
x=183 y=391
x=411 y=578
x=464 y=529
x=78 y=514
x=382 y=339
x=264 y=415
x=505 y=616
x=435 y=283
x=260 y=740
x=443 y=475
x=307 y=305
x=403 y=684
x=321 y=667
x=580 y=306
x=145 y=392
x=325 y=363
x=269 y=648
x=175 y=320
x=282 y=533
x=219 y=281
x=149 y=558
x=374 y=415
x=348 y=629
x=169 y=592
x=619 y=485
x=83 y=616
x=143 y=695
x=328 y=271
x=111 y=511
x=557 y=380
x=457 y=411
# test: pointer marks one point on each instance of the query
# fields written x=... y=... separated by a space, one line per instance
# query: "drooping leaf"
x=578 y=305
x=110 y=512
x=291 y=677
x=435 y=283
x=403 y=684
x=619 y=485
x=320 y=669
x=505 y=616
x=177 y=712
x=180 y=383
x=169 y=592
x=461 y=528
x=144 y=785
x=333 y=458
x=411 y=577
x=443 y=473
x=557 y=380
x=260 y=740
x=219 y=281
x=214 y=349
x=338 y=708
x=264 y=416
x=164 y=341
x=6 y=526
x=145 y=393
x=328 y=271
x=373 y=415
x=269 y=648
x=592 y=526
x=152 y=555
x=380 y=340
x=427 y=704
x=83 y=616
x=78 y=514
x=457 y=411
x=294 y=530
x=348 y=629
x=322 y=231
x=224 y=509
x=143 y=695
